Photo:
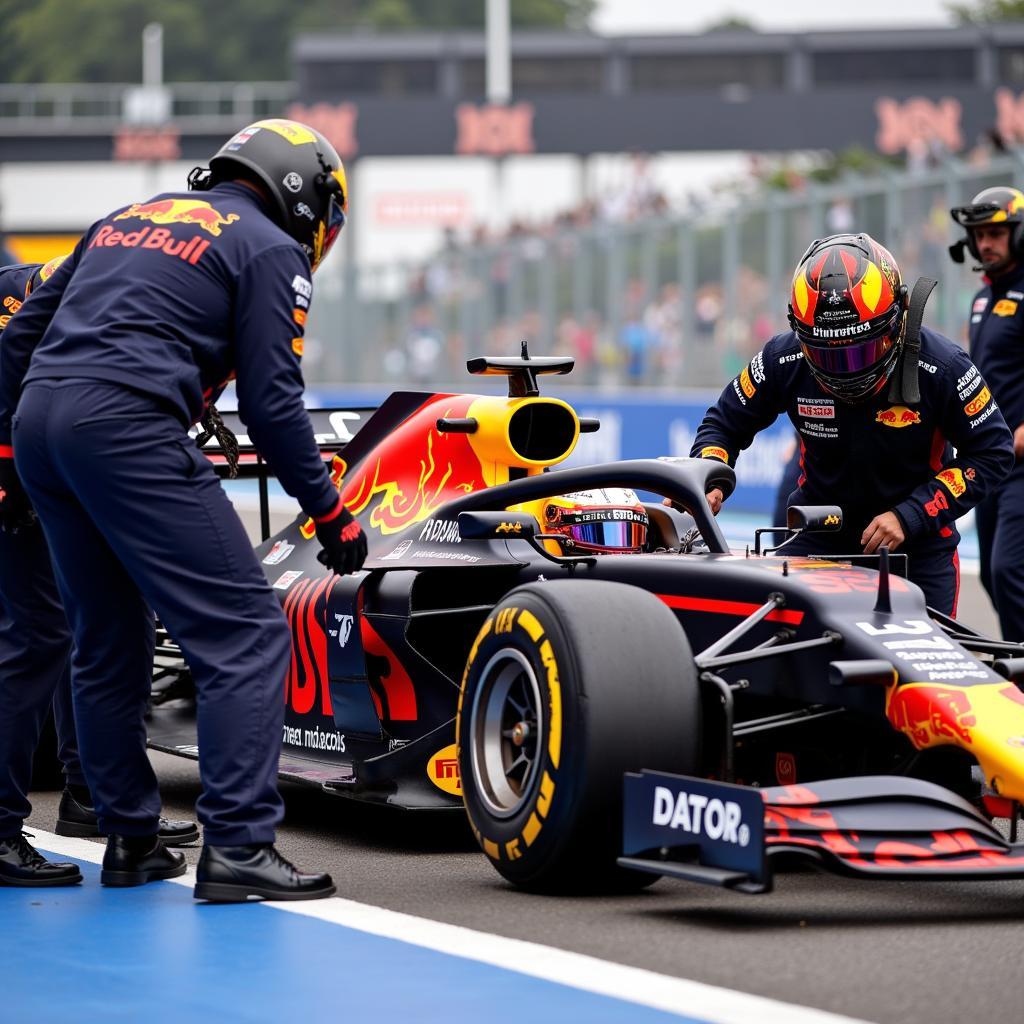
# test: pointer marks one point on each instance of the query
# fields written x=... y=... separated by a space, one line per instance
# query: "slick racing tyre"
x=568 y=685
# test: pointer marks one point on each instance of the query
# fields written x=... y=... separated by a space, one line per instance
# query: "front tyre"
x=568 y=685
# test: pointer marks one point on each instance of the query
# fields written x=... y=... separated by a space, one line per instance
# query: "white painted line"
x=575 y=970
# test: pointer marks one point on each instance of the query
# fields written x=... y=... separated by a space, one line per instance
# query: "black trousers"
x=136 y=519
x=35 y=648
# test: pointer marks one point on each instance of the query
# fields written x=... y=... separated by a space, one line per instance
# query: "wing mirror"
x=814 y=518
x=496 y=526
x=515 y=526
x=803 y=519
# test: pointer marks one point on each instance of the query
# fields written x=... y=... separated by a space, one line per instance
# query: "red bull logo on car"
x=180 y=211
x=931 y=715
x=417 y=469
x=898 y=416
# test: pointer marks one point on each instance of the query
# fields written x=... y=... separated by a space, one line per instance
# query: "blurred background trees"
x=231 y=40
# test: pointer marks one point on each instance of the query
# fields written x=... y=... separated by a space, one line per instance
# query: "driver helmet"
x=847 y=308
x=300 y=170
x=998 y=205
x=610 y=520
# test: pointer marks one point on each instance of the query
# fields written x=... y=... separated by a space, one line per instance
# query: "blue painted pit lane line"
x=154 y=954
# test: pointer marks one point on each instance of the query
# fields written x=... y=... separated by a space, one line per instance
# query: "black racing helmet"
x=847 y=308
x=301 y=171
x=998 y=205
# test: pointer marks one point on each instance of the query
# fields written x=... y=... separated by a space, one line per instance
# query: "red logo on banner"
x=494 y=130
x=336 y=122
x=918 y=120
x=147 y=144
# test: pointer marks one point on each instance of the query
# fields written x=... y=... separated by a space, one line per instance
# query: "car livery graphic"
x=603 y=719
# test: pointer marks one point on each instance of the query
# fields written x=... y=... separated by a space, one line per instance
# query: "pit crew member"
x=157 y=307
x=870 y=442
x=35 y=644
x=994 y=223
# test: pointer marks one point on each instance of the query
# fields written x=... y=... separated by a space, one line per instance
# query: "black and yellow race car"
x=606 y=719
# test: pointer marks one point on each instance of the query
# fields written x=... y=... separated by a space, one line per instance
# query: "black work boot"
x=235 y=874
x=22 y=864
x=76 y=817
x=135 y=860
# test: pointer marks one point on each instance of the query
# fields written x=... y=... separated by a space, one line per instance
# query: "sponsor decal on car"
x=345 y=623
x=695 y=813
x=278 y=553
x=898 y=416
x=286 y=579
x=443 y=770
x=441 y=531
x=785 y=768
x=393 y=556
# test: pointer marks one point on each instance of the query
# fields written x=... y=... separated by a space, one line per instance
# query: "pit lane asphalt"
x=894 y=953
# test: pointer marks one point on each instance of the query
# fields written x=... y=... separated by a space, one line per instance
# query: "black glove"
x=342 y=540
x=15 y=509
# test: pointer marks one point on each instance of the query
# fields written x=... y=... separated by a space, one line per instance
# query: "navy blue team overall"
x=876 y=456
x=997 y=347
x=159 y=305
x=35 y=641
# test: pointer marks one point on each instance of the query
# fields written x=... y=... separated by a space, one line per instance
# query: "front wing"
x=870 y=827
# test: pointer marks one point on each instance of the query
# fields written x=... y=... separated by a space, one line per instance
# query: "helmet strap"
x=904 y=387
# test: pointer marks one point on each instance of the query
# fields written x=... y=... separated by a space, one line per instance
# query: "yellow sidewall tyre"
x=569 y=684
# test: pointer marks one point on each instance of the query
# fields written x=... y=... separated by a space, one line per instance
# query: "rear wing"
x=332 y=428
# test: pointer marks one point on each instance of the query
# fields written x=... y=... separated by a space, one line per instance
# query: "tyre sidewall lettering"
x=520 y=628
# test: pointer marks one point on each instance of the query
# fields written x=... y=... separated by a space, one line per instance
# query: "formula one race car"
x=480 y=657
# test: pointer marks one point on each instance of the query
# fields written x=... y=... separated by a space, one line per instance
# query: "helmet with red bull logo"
x=847 y=308
x=300 y=170
x=1000 y=205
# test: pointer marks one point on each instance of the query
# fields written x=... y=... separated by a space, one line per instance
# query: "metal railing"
x=668 y=301
x=83 y=107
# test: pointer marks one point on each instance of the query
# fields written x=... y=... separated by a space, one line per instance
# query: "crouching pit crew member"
x=878 y=417
x=35 y=645
x=158 y=306
x=994 y=224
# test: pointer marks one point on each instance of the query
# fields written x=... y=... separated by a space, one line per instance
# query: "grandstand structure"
x=645 y=288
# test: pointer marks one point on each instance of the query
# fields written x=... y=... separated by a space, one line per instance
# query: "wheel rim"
x=506 y=723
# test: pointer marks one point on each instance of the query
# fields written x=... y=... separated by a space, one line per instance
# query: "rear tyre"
x=568 y=685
